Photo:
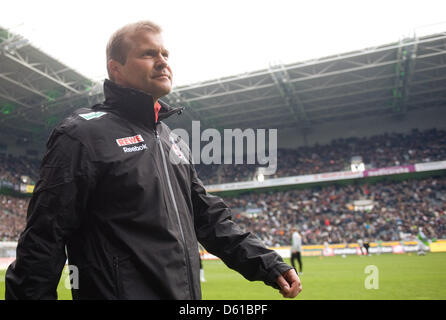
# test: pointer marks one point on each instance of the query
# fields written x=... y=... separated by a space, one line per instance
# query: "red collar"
x=157 y=108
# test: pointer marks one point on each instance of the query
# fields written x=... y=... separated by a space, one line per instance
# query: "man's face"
x=146 y=67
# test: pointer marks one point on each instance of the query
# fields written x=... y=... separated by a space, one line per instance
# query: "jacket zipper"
x=116 y=270
x=158 y=140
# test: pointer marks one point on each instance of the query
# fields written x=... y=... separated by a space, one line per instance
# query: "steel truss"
x=384 y=79
x=391 y=79
x=31 y=83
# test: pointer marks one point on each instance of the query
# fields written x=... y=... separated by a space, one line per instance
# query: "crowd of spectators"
x=12 y=168
x=378 y=151
x=12 y=217
x=321 y=213
x=328 y=213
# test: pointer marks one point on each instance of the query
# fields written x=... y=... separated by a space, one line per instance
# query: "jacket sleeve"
x=239 y=250
x=54 y=212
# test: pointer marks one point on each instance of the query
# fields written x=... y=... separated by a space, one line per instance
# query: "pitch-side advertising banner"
x=430 y=166
x=394 y=247
x=389 y=171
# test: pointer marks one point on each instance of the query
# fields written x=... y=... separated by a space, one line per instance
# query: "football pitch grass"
x=392 y=277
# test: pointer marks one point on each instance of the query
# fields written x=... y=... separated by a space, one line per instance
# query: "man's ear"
x=114 y=69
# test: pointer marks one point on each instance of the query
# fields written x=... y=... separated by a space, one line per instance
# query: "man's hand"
x=289 y=284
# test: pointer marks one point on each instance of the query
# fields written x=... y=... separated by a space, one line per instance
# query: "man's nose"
x=161 y=62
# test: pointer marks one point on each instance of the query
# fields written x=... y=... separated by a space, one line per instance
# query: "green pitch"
x=392 y=277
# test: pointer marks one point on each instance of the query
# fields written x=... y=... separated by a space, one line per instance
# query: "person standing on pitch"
x=296 y=249
x=379 y=249
x=111 y=199
x=422 y=242
x=361 y=246
x=366 y=246
x=200 y=250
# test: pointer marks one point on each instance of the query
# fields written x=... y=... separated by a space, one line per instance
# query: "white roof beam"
x=45 y=73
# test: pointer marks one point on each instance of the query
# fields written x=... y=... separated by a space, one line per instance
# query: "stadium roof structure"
x=391 y=79
x=36 y=91
x=35 y=87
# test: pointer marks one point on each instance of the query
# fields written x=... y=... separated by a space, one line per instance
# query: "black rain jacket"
x=112 y=201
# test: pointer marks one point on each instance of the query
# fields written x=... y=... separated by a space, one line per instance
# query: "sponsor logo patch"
x=135 y=148
x=92 y=115
x=129 y=140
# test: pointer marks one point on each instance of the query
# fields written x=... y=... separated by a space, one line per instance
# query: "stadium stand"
x=323 y=213
x=378 y=151
x=12 y=217
x=12 y=168
x=328 y=213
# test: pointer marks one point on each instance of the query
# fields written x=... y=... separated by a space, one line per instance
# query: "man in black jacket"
x=110 y=201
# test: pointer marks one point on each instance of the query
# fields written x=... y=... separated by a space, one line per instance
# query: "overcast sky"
x=211 y=39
